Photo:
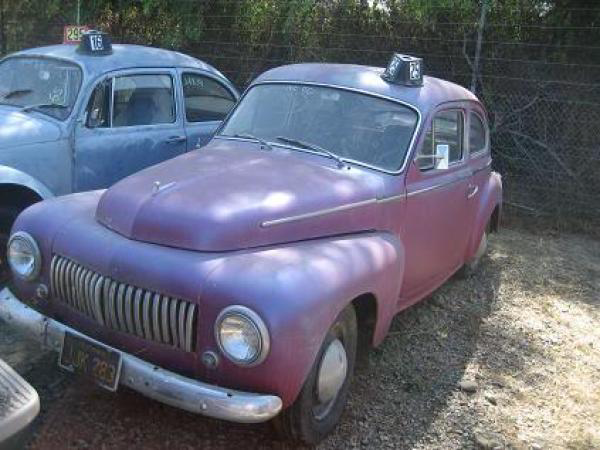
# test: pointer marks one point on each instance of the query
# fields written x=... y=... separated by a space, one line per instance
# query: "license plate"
x=91 y=360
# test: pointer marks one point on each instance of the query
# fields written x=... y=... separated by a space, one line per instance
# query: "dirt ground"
x=509 y=358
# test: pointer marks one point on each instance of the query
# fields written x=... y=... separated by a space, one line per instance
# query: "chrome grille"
x=124 y=307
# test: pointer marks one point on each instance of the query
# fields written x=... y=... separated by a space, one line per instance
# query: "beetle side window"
x=143 y=100
x=446 y=128
x=205 y=99
x=477 y=134
x=98 y=110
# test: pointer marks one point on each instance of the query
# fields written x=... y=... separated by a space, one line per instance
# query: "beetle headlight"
x=242 y=336
x=24 y=255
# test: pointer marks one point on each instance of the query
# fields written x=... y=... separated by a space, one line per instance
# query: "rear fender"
x=490 y=198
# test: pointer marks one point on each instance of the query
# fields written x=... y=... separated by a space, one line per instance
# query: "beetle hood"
x=232 y=195
x=17 y=128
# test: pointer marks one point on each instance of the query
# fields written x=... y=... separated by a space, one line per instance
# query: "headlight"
x=242 y=336
x=24 y=255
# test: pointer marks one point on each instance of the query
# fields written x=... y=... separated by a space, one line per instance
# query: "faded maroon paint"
x=201 y=238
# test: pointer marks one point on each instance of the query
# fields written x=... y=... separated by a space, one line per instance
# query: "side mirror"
x=442 y=156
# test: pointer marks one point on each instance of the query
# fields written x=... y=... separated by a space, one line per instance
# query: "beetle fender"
x=490 y=198
x=10 y=175
x=298 y=290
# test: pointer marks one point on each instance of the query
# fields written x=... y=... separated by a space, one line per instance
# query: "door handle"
x=175 y=139
x=473 y=189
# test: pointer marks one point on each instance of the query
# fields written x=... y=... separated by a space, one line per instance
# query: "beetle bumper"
x=148 y=379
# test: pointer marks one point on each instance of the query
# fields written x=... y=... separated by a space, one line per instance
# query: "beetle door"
x=438 y=220
x=206 y=102
x=131 y=122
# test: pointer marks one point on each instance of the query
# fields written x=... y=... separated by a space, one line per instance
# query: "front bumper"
x=148 y=379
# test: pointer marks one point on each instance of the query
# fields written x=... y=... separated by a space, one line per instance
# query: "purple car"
x=239 y=281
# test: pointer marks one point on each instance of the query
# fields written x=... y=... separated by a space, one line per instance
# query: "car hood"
x=17 y=128
x=233 y=195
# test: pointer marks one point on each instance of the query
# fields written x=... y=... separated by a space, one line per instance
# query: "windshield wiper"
x=43 y=105
x=16 y=92
x=262 y=142
x=340 y=162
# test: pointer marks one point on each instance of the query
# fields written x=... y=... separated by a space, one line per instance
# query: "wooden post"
x=480 y=27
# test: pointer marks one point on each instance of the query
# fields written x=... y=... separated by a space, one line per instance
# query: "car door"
x=437 y=222
x=480 y=159
x=206 y=102
x=131 y=122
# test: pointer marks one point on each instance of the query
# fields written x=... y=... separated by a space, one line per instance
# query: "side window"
x=447 y=128
x=477 y=134
x=205 y=99
x=98 y=110
x=143 y=100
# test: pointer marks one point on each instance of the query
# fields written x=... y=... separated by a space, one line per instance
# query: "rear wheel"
x=470 y=267
x=320 y=404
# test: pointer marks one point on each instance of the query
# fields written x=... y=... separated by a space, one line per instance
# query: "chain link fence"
x=535 y=69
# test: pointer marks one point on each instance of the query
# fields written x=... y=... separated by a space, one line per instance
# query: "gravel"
x=508 y=358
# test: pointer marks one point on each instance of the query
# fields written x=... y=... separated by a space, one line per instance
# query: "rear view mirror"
x=442 y=158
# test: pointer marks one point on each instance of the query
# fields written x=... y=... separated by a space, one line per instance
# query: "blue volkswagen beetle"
x=77 y=118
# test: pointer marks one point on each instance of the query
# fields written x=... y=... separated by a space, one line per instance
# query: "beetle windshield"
x=46 y=85
x=350 y=125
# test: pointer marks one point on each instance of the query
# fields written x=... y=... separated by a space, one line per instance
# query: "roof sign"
x=404 y=69
x=95 y=43
x=72 y=33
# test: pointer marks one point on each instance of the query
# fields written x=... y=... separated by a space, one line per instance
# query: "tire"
x=470 y=267
x=308 y=419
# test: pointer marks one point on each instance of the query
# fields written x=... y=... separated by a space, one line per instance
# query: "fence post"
x=480 y=27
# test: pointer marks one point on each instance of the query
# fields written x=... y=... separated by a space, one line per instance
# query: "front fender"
x=10 y=175
x=490 y=198
x=298 y=290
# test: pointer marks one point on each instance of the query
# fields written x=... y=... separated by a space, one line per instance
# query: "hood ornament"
x=157 y=187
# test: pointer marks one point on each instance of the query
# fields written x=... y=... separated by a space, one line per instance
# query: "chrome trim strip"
x=146 y=314
x=321 y=212
x=165 y=319
x=152 y=381
x=128 y=309
x=437 y=186
x=189 y=332
x=137 y=312
x=181 y=324
x=173 y=322
x=98 y=300
x=156 y=318
x=350 y=89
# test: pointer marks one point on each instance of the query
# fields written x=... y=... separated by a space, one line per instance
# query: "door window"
x=477 y=134
x=143 y=100
x=98 y=110
x=446 y=128
x=205 y=99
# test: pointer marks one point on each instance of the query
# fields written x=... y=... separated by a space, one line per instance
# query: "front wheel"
x=320 y=404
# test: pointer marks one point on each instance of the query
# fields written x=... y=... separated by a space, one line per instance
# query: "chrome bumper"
x=148 y=379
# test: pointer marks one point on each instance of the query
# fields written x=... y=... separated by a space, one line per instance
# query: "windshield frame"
x=343 y=88
x=51 y=58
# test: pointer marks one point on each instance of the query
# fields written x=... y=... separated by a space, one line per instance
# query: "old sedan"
x=75 y=118
x=241 y=280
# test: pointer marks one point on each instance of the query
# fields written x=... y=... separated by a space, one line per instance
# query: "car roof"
x=123 y=56
x=368 y=79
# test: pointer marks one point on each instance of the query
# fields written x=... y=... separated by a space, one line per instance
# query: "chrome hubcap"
x=332 y=372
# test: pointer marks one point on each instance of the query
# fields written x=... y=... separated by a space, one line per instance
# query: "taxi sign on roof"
x=95 y=42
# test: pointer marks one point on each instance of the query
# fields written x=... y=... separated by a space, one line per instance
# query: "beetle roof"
x=123 y=56
x=364 y=78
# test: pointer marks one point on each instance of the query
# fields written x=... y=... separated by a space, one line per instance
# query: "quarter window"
x=205 y=99
x=447 y=128
x=477 y=135
x=143 y=100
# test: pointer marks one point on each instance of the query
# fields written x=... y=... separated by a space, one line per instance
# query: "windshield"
x=350 y=125
x=49 y=86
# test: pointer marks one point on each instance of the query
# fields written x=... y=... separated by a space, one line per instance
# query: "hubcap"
x=332 y=373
